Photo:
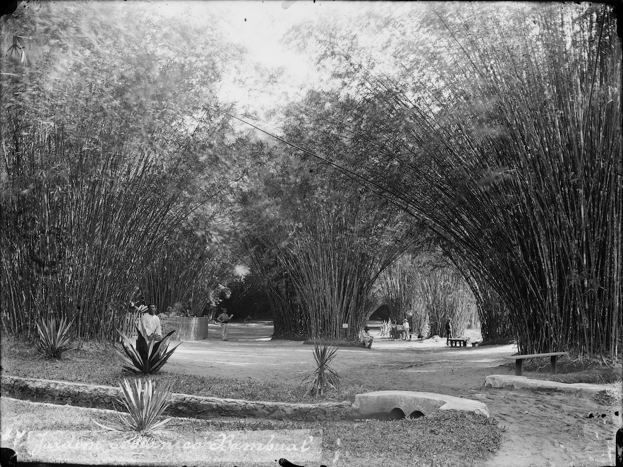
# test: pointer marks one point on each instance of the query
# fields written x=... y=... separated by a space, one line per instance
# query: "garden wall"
x=186 y=329
x=102 y=397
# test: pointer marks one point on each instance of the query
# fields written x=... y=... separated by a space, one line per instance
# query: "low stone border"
x=522 y=382
x=369 y=405
x=85 y=395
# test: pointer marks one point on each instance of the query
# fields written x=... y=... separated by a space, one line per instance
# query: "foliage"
x=106 y=152
x=493 y=313
x=441 y=295
x=386 y=328
x=54 y=337
x=99 y=364
x=321 y=258
x=496 y=129
x=273 y=279
x=397 y=287
x=149 y=356
x=144 y=405
x=189 y=268
x=428 y=291
x=323 y=377
x=248 y=299
x=334 y=259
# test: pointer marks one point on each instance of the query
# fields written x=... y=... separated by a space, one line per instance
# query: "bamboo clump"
x=510 y=149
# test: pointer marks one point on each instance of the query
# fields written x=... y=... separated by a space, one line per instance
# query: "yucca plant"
x=386 y=328
x=53 y=337
x=323 y=377
x=149 y=355
x=144 y=404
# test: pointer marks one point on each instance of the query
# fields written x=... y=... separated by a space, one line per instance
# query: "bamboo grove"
x=320 y=261
x=492 y=133
x=507 y=142
x=334 y=261
x=100 y=188
x=428 y=291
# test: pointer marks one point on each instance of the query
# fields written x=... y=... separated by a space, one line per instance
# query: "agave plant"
x=323 y=377
x=53 y=338
x=149 y=355
x=144 y=405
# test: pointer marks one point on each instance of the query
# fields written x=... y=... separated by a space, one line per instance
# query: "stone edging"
x=103 y=397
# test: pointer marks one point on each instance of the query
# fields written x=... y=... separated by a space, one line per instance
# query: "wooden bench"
x=396 y=332
x=458 y=341
x=520 y=358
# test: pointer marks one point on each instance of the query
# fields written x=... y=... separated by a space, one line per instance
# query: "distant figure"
x=448 y=332
x=224 y=319
x=366 y=338
x=405 y=329
x=151 y=323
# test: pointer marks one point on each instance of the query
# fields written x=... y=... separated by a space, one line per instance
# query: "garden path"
x=543 y=429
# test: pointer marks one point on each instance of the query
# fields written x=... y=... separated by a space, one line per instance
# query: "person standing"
x=224 y=319
x=448 y=332
x=151 y=323
x=405 y=329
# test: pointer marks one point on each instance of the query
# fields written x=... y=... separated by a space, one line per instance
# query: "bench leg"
x=552 y=361
x=518 y=366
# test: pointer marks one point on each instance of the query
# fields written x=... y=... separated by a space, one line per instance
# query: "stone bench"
x=457 y=342
x=520 y=358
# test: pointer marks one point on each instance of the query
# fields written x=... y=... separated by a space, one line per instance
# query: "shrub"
x=323 y=377
x=149 y=355
x=145 y=405
x=53 y=339
x=386 y=328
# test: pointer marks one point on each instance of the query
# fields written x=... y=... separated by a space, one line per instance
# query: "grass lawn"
x=444 y=438
x=95 y=363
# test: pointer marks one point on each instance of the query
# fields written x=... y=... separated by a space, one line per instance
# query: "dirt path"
x=543 y=429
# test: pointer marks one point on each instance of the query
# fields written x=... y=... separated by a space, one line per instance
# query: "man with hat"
x=151 y=323
x=366 y=338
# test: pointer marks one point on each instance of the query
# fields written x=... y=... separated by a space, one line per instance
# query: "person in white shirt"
x=151 y=323
x=224 y=319
x=406 y=335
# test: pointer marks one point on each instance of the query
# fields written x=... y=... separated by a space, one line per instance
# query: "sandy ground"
x=542 y=429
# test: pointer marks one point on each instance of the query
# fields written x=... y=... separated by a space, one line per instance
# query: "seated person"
x=366 y=338
x=150 y=323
